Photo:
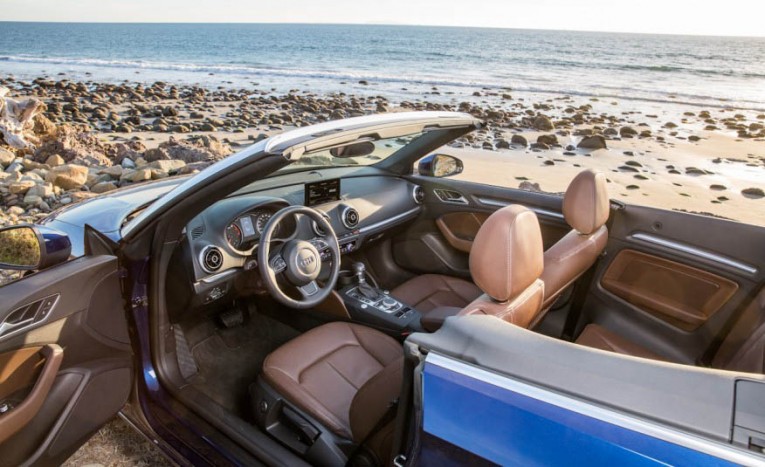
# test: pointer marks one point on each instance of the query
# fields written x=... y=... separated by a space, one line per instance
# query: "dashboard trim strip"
x=389 y=221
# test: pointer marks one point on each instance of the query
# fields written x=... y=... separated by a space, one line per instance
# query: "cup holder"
x=345 y=278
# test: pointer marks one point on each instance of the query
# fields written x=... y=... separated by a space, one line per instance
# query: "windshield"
x=362 y=152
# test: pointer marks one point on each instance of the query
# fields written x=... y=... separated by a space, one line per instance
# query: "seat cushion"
x=322 y=370
x=601 y=338
x=429 y=291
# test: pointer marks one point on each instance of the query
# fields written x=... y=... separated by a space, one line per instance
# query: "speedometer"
x=261 y=221
x=234 y=235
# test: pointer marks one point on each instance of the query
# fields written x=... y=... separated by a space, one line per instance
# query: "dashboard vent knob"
x=350 y=217
x=418 y=193
x=211 y=258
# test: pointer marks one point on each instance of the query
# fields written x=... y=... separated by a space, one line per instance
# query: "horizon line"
x=382 y=23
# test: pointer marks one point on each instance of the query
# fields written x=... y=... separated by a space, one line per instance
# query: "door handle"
x=19 y=416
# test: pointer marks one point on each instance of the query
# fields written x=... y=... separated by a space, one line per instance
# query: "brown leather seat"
x=586 y=208
x=343 y=375
x=742 y=350
x=505 y=262
x=429 y=291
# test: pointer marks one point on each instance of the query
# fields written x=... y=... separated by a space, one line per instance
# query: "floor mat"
x=229 y=360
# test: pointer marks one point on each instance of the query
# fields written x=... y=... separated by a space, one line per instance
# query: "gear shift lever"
x=364 y=289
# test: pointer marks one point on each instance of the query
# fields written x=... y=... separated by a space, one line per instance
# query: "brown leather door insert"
x=33 y=367
x=679 y=294
x=460 y=228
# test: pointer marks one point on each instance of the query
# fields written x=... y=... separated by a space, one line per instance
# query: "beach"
x=676 y=156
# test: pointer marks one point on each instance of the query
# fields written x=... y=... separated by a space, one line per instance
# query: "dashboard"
x=360 y=204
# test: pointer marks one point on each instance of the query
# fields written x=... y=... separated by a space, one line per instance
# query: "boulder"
x=627 y=132
x=543 y=123
x=593 y=142
x=54 y=160
x=519 y=140
x=68 y=177
x=6 y=158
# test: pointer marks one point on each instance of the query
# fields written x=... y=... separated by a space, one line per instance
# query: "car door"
x=65 y=358
x=674 y=283
x=489 y=393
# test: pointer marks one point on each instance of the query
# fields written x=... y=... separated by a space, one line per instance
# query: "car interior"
x=288 y=300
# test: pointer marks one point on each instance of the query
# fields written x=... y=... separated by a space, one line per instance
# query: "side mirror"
x=31 y=247
x=439 y=165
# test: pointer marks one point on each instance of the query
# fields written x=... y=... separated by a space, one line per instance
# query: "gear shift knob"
x=360 y=270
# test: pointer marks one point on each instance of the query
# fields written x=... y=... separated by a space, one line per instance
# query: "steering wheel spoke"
x=277 y=263
x=309 y=290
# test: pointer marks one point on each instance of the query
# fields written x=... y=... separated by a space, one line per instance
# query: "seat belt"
x=583 y=284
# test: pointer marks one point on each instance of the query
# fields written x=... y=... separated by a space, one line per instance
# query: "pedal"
x=186 y=362
x=232 y=318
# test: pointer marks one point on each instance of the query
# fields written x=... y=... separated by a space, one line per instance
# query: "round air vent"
x=418 y=193
x=349 y=217
x=211 y=258
x=318 y=230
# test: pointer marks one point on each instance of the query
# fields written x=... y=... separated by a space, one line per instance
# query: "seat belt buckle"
x=399 y=461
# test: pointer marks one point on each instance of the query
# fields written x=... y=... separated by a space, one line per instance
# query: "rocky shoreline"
x=88 y=138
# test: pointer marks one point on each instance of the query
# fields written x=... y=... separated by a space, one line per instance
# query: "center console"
x=371 y=305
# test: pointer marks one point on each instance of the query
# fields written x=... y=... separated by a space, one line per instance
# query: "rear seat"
x=742 y=350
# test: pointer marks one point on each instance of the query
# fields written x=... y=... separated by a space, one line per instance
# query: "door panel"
x=65 y=359
x=439 y=241
x=681 y=295
x=670 y=281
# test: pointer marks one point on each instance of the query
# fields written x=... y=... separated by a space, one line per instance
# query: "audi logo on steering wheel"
x=305 y=262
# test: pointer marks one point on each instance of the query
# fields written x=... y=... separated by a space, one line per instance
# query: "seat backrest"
x=506 y=261
x=744 y=347
x=585 y=207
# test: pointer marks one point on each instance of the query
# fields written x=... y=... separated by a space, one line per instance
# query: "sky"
x=698 y=17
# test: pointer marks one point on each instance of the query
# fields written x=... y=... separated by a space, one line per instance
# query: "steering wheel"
x=299 y=261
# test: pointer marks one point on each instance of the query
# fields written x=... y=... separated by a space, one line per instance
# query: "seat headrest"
x=507 y=253
x=586 y=204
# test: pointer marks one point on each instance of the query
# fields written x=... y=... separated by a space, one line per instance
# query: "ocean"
x=399 y=62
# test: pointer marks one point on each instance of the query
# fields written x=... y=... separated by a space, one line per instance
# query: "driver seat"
x=337 y=383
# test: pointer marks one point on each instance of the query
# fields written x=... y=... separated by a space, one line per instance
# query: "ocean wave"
x=521 y=82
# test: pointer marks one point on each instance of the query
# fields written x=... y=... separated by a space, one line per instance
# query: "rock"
x=32 y=200
x=6 y=158
x=694 y=138
x=543 y=123
x=156 y=154
x=103 y=187
x=717 y=187
x=167 y=165
x=68 y=177
x=170 y=111
x=179 y=129
x=127 y=163
x=54 y=160
x=43 y=190
x=519 y=140
x=530 y=186
x=541 y=146
x=502 y=144
x=592 y=142
x=754 y=193
x=627 y=132
x=670 y=125
x=114 y=171
x=549 y=140
x=363 y=82
x=20 y=187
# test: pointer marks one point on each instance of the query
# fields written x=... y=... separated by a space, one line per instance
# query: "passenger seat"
x=742 y=350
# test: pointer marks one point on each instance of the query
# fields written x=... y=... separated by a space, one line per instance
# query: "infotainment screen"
x=322 y=192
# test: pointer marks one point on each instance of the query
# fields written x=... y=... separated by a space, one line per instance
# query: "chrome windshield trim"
x=501 y=204
x=695 y=251
x=389 y=221
x=654 y=430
